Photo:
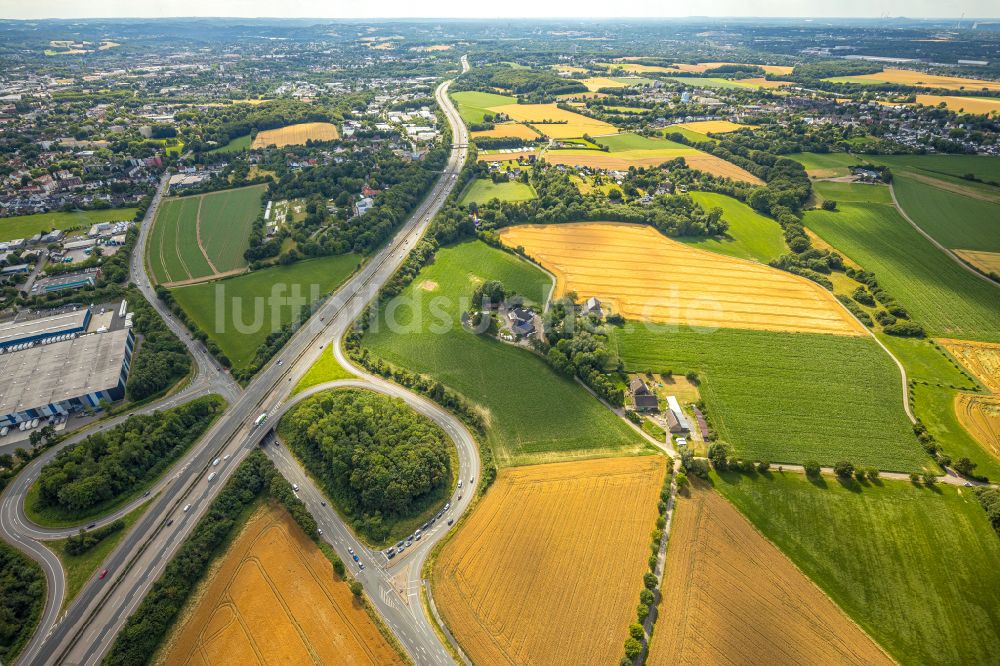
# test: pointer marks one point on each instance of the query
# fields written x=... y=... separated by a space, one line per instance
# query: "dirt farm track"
x=274 y=599
x=730 y=596
x=548 y=568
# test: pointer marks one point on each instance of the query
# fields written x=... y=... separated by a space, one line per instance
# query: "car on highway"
x=216 y=462
x=451 y=520
x=447 y=506
x=186 y=507
x=295 y=487
x=91 y=526
x=460 y=483
x=361 y=565
x=322 y=502
x=170 y=522
x=356 y=558
x=320 y=530
x=281 y=361
x=211 y=477
x=146 y=494
x=350 y=550
x=103 y=575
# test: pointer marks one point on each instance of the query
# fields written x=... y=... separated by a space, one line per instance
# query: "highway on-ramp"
x=85 y=633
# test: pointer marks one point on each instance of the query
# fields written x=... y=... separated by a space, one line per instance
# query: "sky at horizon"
x=17 y=9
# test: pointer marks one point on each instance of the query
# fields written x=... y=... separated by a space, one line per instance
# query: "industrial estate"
x=499 y=341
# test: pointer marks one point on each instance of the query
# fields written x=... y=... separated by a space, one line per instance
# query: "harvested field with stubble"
x=980 y=415
x=275 y=599
x=651 y=158
x=981 y=359
x=548 y=568
x=646 y=276
x=733 y=597
x=296 y=135
x=987 y=262
x=507 y=130
x=554 y=122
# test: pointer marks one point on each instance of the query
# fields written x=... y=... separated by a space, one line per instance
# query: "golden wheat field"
x=548 y=568
x=554 y=122
x=922 y=80
x=981 y=359
x=976 y=105
x=294 y=135
x=702 y=67
x=507 y=130
x=499 y=156
x=732 y=597
x=274 y=599
x=980 y=415
x=987 y=262
x=621 y=160
x=646 y=276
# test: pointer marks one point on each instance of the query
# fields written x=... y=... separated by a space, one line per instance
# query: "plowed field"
x=622 y=160
x=981 y=358
x=980 y=415
x=732 y=597
x=549 y=566
x=274 y=599
x=644 y=275
x=294 y=135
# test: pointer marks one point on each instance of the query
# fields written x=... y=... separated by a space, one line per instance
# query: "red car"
x=103 y=574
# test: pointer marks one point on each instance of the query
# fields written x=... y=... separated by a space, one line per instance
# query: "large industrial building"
x=23 y=332
x=63 y=373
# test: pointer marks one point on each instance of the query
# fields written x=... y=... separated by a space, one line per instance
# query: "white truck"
x=259 y=421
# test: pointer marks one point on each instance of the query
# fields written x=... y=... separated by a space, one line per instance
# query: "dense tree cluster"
x=377 y=458
x=254 y=479
x=532 y=85
x=161 y=360
x=989 y=498
x=222 y=124
x=85 y=540
x=579 y=346
x=559 y=200
x=108 y=464
x=22 y=590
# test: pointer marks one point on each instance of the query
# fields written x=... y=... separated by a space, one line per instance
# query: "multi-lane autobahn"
x=86 y=631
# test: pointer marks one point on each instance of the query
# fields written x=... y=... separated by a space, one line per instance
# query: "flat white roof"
x=52 y=373
x=18 y=330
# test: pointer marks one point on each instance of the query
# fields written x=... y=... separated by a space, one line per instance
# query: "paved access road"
x=88 y=628
x=15 y=527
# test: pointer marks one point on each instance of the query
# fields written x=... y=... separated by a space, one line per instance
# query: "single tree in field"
x=843 y=469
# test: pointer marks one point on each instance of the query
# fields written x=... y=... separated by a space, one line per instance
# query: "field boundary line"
x=197 y=233
x=206 y=278
x=952 y=255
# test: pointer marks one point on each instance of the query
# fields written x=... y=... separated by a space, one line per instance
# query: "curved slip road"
x=19 y=531
x=86 y=631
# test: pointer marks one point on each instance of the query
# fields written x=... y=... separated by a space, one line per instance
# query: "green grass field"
x=944 y=298
x=935 y=407
x=472 y=106
x=325 y=369
x=80 y=568
x=238 y=144
x=954 y=220
x=750 y=235
x=832 y=165
x=26 y=226
x=853 y=192
x=984 y=167
x=227 y=217
x=788 y=397
x=255 y=304
x=533 y=414
x=482 y=190
x=689 y=134
x=915 y=567
x=617 y=143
